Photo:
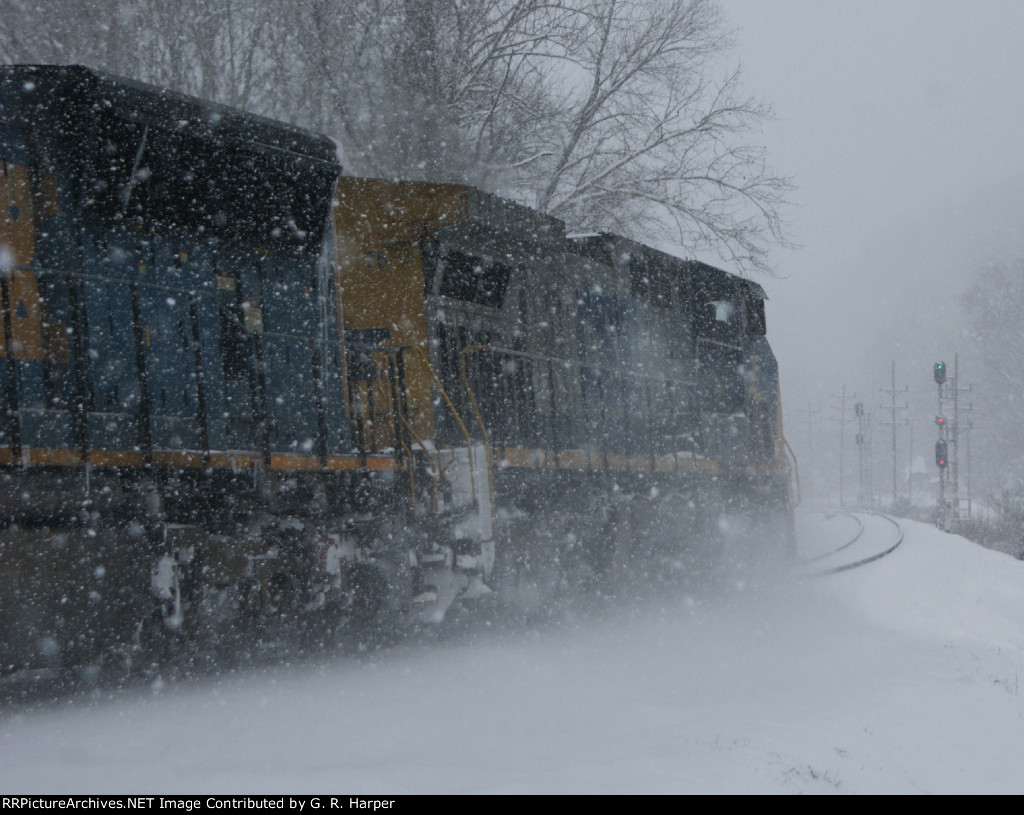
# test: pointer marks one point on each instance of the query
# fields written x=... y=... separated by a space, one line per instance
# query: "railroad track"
x=859 y=550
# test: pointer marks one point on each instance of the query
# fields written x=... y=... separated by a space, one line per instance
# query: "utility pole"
x=813 y=430
x=969 y=426
x=892 y=391
x=842 y=436
x=810 y=414
x=858 y=411
x=910 y=464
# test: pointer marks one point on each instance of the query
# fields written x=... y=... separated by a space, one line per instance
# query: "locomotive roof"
x=502 y=215
x=614 y=250
x=181 y=163
x=69 y=86
x=502 y=228
x=483 y=222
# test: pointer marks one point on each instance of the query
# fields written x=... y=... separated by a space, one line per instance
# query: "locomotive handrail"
x=622 y=370
x=469 y=390
x=412 y=468
x=720 y=343
x=794 y=471
x=623 y=374
x=479 y=418
x=412 y=464
x=455 y=413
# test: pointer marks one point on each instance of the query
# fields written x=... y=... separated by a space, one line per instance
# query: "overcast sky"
x=901 y=123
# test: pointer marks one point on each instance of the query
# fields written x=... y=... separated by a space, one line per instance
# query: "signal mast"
x=947 y=448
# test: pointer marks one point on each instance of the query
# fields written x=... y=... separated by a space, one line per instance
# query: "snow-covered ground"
x=904 y=676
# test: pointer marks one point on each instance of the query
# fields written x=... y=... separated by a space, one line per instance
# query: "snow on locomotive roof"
x=612 y=249
x=183 y=163
x=149 y=104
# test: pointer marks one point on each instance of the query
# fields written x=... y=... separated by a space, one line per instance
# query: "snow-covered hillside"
x=900 y=677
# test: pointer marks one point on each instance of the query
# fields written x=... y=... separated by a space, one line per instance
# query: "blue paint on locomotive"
x=151 y=259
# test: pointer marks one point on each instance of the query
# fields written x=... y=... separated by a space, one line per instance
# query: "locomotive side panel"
x=171 y=237
x=164 y=348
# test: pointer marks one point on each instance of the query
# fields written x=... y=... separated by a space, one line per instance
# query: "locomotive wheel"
x=156 y=647
x=369 y=591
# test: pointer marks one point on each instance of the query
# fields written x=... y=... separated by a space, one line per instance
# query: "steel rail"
x=862 y=561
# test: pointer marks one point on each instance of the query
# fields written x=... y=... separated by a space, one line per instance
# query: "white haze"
x=900 y=677
x=900 y=123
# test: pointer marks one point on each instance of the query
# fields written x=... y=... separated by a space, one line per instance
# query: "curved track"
x=871 y=547
x=852 y=540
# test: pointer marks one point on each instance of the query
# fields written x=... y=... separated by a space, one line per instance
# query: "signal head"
x=940 y=372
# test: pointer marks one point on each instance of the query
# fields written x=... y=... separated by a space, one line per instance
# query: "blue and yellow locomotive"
x=243 y=391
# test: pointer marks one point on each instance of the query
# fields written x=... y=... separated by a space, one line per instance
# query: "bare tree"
x=650 y=139
x=994 y=304
x=610 y=114
x=60 y=31
x=215 y=49
x=605 y=113
x=429 y=89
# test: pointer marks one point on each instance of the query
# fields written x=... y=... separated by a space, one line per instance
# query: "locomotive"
x=243 y=392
